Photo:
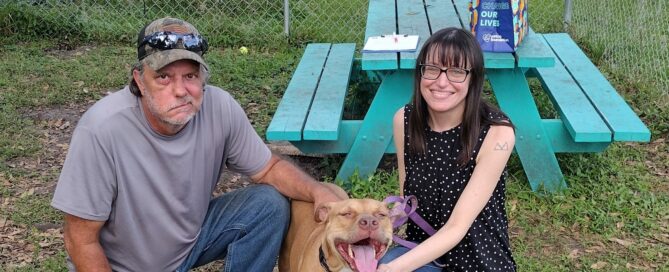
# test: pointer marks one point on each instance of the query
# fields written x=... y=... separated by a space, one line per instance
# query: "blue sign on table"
x=499 y=25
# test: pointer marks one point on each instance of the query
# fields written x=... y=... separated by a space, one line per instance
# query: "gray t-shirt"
x=153 y=190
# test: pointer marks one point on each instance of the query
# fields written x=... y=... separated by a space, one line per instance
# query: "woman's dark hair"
x=454 y=47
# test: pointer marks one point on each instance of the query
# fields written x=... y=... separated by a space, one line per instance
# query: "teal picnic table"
x=592 y=114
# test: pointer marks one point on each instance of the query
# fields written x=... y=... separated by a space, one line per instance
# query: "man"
x=137 y=182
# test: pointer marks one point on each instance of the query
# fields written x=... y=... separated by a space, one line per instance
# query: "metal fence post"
x=568 y=6
x=286 y=18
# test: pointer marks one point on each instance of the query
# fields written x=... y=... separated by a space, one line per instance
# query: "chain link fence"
x=329 y=21
x=628 y=37
x=225 y=22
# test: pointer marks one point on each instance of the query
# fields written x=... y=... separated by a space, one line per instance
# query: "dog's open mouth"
x=363 y=255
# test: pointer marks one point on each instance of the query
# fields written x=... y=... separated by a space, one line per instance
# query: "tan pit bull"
x=348 y=235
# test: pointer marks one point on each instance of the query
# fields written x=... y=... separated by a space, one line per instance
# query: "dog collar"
x=321 y=258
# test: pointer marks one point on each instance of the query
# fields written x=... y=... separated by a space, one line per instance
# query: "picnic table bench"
x=313 y=103
x=592 y=114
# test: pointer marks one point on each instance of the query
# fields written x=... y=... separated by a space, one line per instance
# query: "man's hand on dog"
x=323 y=194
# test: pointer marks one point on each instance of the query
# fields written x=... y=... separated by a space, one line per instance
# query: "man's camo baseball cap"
x=167 y=40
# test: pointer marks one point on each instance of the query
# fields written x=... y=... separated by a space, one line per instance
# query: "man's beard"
x=161 y=112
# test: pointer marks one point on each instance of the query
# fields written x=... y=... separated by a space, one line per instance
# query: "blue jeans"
x=246 y=227
x=398 y=251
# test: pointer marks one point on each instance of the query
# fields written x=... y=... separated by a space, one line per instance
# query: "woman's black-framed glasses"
x=453 y=74
x=165 y=40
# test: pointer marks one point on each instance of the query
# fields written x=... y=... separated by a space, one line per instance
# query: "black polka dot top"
x=437 y=181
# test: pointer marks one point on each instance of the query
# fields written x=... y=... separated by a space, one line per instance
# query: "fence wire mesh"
x=226 y=22
x=329 y=21
x=628 y=37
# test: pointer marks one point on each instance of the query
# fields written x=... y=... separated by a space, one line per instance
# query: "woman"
x=452 y=151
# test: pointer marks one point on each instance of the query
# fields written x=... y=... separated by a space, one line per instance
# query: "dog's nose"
x=368 y=223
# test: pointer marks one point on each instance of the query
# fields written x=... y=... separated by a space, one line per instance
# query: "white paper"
x=391 y=43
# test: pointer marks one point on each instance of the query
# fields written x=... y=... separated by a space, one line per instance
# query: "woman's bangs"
x=447 y=56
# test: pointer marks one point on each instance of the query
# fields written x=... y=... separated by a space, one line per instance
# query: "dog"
x=348 y=235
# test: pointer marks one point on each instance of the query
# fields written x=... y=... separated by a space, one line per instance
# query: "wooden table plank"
x=579 y=116
x=328 y=104
x=292 y=111
x=495 y=60
x=534 y=52
x=563 y=142
x=376 y=131
x=622 y=120
x=532 y=142
x=441 y=14
x=560 y=140
x=462 y=8
x=380 y=22
x=412 y=20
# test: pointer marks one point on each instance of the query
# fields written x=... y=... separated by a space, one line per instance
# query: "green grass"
x=610 y=195
x=377 y=186
x=17 y=137
x=50 y=76
x=256 y=80
x=30 y=210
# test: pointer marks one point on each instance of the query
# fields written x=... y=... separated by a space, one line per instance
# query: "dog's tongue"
x=364 y=258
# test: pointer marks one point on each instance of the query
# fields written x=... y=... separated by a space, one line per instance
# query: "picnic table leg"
x=532 y=143
x=376 y=130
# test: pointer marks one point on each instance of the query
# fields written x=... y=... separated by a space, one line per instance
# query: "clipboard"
x=391 y=43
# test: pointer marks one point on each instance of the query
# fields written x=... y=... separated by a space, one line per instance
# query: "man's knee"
x=273 y=202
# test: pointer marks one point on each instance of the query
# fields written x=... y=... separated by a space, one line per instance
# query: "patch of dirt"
x=67 y=50
x=22 y=245
x=658 y=156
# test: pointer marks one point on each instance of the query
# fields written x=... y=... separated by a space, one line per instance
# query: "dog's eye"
x=381 y=215
x=347 y=214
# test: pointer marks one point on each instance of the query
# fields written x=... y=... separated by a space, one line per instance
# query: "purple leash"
x=402 y=211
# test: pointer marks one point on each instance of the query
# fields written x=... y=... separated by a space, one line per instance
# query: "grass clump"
x=377 y=186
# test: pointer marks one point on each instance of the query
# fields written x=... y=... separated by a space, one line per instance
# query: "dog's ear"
x=321 y=213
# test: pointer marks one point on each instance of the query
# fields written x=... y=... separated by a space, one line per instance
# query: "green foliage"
x=39 y=76
x=4 y=190
x=546 y=15
x=377 y=186
x=361 y=90
x=28 y=20
x=257 y=80
x=30 y=209
x=52 y=263
x=610 y=196
x=649 y=102
x=329 y=165
x=17 y=136
x=52 y=76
